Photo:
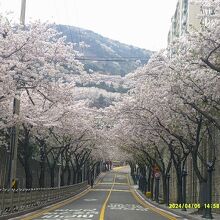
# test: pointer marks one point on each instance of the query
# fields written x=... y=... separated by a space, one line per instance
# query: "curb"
x=179 y=214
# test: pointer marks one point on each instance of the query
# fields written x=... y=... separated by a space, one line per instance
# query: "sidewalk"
x=181 y=214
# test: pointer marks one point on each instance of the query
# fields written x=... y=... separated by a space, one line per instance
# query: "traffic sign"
x=157 y=175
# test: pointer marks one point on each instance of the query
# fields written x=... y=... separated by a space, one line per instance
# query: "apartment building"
x=191 y=15
x=185 y=19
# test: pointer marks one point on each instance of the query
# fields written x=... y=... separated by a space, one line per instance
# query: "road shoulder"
x=181 y=214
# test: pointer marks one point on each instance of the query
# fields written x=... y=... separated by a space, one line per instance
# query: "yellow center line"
x=102 y=213
x=103 y=183
x=113 y=190
x=118 y=168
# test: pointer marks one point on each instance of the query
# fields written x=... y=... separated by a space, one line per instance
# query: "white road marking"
x=127 y=207
x=120 y=177
x=90 y=200
x=67 y=214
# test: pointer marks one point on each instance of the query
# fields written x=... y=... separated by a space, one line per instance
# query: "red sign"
x=157 y=175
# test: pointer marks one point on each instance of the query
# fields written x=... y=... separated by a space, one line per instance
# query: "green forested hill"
x=116 y=58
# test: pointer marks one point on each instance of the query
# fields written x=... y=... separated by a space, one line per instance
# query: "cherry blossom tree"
x=176 y=100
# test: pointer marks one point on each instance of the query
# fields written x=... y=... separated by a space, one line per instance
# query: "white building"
x=185 y=19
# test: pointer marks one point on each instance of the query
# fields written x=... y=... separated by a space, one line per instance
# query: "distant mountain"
x=103 y=54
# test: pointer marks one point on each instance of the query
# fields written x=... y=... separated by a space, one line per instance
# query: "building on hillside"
x=185 y=19
x=188 y=17
x=209 y=12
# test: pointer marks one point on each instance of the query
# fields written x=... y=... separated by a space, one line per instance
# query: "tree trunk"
x=28 y=174
x=62 y=176
x=149 y=180
x=42 y=163
x=76 y=176
x=42 y=167
x=202 y=184
x=132 y=166
x=52 y=176
x=80 y=176
x=25 y=152
x=164 y=182
x=69 y=175
x=152 y=187
x=42 y=174
x=99 y=168
x=179 y=188
x=202 y=195
x=179 y=185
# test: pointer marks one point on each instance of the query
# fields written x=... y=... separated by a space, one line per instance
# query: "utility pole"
x=14 y=142
x=23 y=10
x=15 y=128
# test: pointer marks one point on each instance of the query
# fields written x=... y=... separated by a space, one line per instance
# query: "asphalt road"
x=112 y=198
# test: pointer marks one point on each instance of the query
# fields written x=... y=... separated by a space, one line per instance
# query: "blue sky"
x=142 y=23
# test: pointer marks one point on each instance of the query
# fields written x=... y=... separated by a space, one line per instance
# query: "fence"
x=15 y=201
x=20 y=173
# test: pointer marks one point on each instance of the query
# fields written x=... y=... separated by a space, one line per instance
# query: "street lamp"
x=59 y=174
x=23 y=10
x=59 y=171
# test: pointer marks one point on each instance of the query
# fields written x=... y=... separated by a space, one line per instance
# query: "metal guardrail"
x=15 y=201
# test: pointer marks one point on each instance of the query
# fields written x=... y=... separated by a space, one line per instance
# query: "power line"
x=94 y=58
x=111 y=59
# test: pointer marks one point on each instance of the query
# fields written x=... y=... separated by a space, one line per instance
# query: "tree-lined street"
x=112 y=198
x=63 y=121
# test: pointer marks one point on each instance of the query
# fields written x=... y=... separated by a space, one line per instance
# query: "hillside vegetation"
x=116 y=58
